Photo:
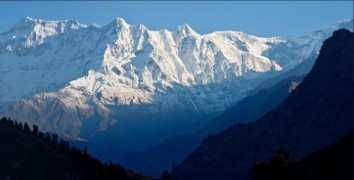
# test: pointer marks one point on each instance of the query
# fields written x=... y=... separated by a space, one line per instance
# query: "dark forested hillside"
x=31 y=154
x=317 y=113
x=330 y=163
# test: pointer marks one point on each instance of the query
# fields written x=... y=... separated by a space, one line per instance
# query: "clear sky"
x=257 y=18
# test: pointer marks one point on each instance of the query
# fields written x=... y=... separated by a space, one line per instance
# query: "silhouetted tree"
x=20 y=125
x=281 y=158
x=279 y=161
x=35 y=129
x=41 y=135
x=3 y=119
x=85 y=151
x=55 y=139
x=26 y=128
x=62 y=144
x=48 y=137
x=165 y=175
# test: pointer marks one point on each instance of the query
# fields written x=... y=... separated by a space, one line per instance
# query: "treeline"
x=26 y=147
x=49 y=138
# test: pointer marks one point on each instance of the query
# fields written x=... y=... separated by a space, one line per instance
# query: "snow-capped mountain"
x=79 y=80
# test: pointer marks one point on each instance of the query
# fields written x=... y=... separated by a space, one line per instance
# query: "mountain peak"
x=26 y=19
x=343 y=24
x=24 y=22
x=30 y=23
x=186 y=30
x=120 y=22
x=348 y=24
x=327 y=62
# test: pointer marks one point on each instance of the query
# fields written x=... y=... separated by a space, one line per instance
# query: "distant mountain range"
x=125 y=88
x=315 y=114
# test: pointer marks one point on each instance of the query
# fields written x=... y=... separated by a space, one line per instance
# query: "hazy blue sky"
x=257 y=18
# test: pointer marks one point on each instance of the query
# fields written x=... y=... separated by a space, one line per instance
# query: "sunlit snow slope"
x=80 y=81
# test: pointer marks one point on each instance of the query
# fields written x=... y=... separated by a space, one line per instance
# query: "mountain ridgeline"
x=87 y=81
x=317 y=113
x=145 y=98
x=32 y=154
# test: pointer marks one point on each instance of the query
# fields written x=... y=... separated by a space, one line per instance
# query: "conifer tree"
x=26 y=128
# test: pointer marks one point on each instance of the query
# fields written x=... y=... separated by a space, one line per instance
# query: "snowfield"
x=79 y=81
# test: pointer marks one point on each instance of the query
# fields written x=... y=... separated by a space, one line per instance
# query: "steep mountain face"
x=315 y=114
x=172 y=151
x=80 y=80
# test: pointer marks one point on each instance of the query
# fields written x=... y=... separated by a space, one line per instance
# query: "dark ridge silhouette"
x=331 y=163
x=26 y=154
x=317 y=113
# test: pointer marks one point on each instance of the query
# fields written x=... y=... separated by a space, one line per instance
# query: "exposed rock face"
x=293 y=86
x=79 y=80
